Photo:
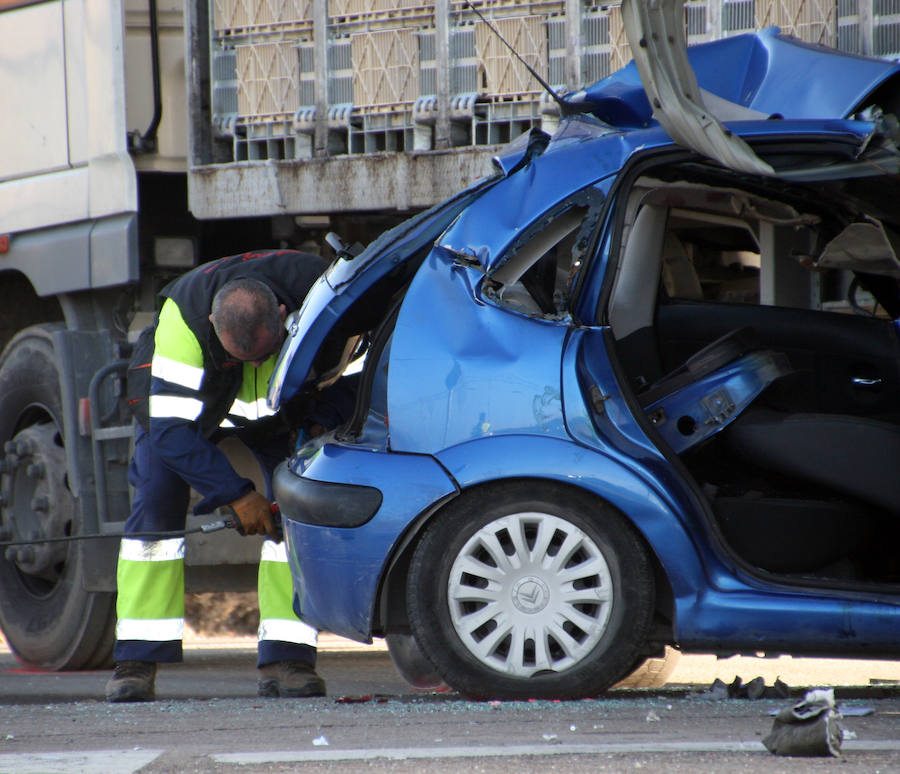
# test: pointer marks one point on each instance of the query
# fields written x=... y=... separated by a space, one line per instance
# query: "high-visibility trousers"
x=150 y=573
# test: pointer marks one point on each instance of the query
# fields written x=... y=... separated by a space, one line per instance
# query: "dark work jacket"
x=188 y=446
x=289 y=274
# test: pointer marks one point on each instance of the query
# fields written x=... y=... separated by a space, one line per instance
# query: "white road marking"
x=84 y=762
x=502 y=751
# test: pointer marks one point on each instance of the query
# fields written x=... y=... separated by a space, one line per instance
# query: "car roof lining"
x=652 y=208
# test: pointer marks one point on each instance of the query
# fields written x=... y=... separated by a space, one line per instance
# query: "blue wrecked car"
x=628 y=394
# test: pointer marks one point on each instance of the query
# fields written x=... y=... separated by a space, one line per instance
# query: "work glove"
x=254 y=514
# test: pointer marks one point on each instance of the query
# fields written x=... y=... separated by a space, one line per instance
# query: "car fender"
x=542 y=458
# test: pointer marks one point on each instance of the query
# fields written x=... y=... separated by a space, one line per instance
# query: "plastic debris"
x=718 y=690
x=320 y=741
x=810 y=728
x=755 y=689
x=652 y=717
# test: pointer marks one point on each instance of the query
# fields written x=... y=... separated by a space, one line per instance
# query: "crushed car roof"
x=765 y=71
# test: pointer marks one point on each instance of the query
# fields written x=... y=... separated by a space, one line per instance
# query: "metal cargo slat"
x=240 y=16
x=814 y=21
x=385 y=67
x=267 y=79
x=502 y=74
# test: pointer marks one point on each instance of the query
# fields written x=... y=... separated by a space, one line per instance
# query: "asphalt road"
x=208 y=719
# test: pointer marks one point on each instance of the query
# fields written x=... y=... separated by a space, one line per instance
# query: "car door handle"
x=862 y=381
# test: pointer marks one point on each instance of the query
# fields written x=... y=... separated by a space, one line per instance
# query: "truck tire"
x=49 y=620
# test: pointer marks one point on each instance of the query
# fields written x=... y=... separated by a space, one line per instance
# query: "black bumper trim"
x=322 y=503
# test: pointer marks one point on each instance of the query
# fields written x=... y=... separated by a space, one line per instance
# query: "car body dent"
x=462 y=368
x=336 y=589
x=574 y=129
x=508 y=206
x=513 y=204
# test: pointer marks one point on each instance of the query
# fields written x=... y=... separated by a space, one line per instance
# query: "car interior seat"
x=854 y=456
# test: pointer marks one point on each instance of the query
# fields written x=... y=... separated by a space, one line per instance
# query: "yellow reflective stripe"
x=137 y=550
x=150 y=582
x=276 y=594
x=176 y=372
x=153 y=629
x=250 y=410
x=174 y=339
x=175 y=407
x=287 y=631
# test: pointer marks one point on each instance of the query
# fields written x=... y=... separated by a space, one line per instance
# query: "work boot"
x=132 y=681
x=289 y=680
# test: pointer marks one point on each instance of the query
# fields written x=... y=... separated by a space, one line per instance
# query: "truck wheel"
x=530 y=590
x=48 y=618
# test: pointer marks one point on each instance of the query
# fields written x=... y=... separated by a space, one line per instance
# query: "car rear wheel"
x=519 y=590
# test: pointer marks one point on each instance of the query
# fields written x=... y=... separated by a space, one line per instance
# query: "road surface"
x=208 y=720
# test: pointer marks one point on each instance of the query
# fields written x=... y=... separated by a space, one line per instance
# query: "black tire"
x=412 y=664
x=459 y=578
x=49 y=620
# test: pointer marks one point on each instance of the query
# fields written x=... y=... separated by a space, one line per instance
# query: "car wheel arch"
x=390 y=604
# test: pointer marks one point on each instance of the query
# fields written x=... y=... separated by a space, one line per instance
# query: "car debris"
x=755 y=689
x=810 y=728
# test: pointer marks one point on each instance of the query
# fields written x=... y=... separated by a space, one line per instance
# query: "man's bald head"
x=247 y=319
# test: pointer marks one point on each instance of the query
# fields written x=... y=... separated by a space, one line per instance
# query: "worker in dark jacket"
x=216 y=340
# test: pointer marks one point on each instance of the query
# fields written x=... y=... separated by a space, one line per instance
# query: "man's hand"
x=255 y=515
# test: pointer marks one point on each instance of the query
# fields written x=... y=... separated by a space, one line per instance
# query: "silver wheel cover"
x=530 y=593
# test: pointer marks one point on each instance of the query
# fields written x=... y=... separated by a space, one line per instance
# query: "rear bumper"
x=347 y=511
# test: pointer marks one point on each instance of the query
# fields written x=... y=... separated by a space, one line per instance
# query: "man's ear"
x=283 y=310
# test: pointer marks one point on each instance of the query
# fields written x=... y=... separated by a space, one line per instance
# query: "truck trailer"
x=141 y=138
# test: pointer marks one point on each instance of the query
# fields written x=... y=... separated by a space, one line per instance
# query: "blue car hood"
x=765 y=71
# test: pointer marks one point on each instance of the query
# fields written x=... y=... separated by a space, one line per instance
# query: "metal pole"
x=320 y=55
x=866 y=22
x=442 y=56
x=574 y=76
